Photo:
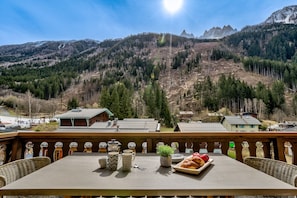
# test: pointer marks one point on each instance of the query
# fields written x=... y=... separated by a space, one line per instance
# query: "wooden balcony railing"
x=277 y=145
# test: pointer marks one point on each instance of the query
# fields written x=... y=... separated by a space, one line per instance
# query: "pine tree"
x=278 y=92
x=165 y=112
x=115 y=103
x=72 y=104
x=105 y=101
x=124 y=102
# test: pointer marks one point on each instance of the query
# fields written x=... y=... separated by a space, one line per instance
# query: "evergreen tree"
x=117 y=98
x=157 y=104
x=210 y=99
x=105 y=98
x=115 y=103
x=125 y=102
x=278 y=92
x=150 y=99
x=269 y=103
x=72 y=104
x=165 y=112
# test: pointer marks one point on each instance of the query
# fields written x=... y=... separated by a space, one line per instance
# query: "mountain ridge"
x=218 y=32
x=286 y=15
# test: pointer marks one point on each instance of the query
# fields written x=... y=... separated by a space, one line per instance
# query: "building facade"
x=241 y=123
x=84 y=117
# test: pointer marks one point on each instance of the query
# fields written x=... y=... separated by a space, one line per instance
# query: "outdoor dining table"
x=80 y=175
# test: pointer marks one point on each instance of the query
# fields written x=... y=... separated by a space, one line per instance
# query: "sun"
x=173 y=6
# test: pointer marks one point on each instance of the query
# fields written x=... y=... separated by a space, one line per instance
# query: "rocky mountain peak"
x=218 y=32
x=187 y=35
x=287 y=15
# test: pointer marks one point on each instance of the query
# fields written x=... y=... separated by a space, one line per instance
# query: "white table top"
x=80 y=175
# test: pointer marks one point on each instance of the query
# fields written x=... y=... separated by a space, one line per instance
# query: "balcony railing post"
x=225 y=146
x=279 y=149
x=238 y=149
x=149 y=145
x=294 y=149
x=16 y=149
x=252 y=147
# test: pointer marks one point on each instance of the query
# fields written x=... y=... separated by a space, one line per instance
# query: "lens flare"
x=173 y=6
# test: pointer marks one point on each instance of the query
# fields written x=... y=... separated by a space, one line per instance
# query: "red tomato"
x=205 y=157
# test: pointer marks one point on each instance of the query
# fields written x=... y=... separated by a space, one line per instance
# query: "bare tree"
x=278 y=115
x=29 y=98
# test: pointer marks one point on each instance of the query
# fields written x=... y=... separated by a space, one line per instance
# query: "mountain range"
x=177 y=65
x=287 y=15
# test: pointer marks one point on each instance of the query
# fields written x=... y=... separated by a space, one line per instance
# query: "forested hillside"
x=151 y=75
x=273 y=41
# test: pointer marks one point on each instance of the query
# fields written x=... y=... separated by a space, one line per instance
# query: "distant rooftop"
x=149 y=125
x=83 y=113
x=199 y=127
x=243 y=120
x=126 y=125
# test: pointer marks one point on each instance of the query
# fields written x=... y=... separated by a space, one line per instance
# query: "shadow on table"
x=119 y=172
x=103 y=172
x=164 y=171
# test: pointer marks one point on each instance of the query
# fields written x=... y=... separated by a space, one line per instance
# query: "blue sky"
x=38 y=20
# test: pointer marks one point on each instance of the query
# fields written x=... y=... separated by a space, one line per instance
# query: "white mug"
x=126 y=161
x=102 y=162
x=130 y=151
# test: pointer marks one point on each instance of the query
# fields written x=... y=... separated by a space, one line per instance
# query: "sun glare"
x=172 y=6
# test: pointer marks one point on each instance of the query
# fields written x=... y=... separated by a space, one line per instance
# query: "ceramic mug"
x=113 y=158
x=102 y=162
x=130 y=151
x=127 y=161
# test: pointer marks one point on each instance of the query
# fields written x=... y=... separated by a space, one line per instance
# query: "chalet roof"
x=149 y=125
x=99 y=130
x=200 y=127
x=241 y=120
x=83 y=113
x=126 y=125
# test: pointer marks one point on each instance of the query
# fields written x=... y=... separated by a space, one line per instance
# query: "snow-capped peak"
x=287 y=15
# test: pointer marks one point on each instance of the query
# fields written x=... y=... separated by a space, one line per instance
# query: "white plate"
x=177 y=158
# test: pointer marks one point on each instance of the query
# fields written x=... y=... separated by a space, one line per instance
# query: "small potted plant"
x=165 y=152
